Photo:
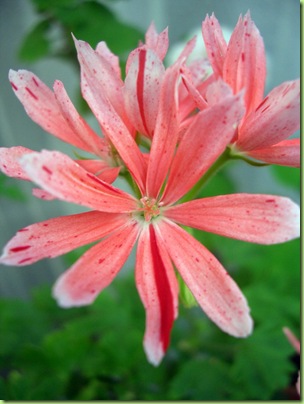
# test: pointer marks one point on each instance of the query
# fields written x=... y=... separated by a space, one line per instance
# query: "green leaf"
x=288 y=176
x=36 y=44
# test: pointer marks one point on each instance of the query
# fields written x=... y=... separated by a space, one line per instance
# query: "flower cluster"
x=164 y=130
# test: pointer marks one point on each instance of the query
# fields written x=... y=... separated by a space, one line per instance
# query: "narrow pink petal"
x=275 y=119
x=285 y=153
x=264 y=219
x=204 y=141
x=159 y=43
x=100 y=169
x=213 y=288
x=166 y=132
x=142 y=90
x=62 y=177
x=42 y=194
x=157 y=286
x=245 y=62
x=100 y=96
x=96 y=269
x=78 y=125
x=103 y=50
x=215 y=43
x=9 y=161
x=42 y=107
x=293 y=340
x=58 y=236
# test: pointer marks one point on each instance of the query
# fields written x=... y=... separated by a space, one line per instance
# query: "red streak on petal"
x=164 y=292
x=20 y=248
x=269 y=200
x=14 y=86
x=35 y=81
x=46 y=169
x=140 y=86
x=31 y=93
x=104 y=184
x=24 y=260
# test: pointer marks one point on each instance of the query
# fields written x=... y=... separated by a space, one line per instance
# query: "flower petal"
x=58 y=236
x=204 y=141
x=142 y=90
x=78 y=125
x=42 y=107
x=275 y=119
x=215 y=43
x=9 y=161
x=100 y=93
x=159 y=43
x=264 y=219
x=100 y=169
x=215 y=291
x=96 y=269
x=62 y=177
x=157 y=286
x=285 y=153
x=245 y=62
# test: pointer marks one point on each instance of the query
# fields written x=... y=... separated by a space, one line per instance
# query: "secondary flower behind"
x=182 y=150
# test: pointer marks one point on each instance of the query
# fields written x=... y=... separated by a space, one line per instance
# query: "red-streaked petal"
x=285 y=153
x=78 y=125
x=264 y=219
x=204 y=141
x=96 y=269
x=245 y=62
x=159 y=43
x=275 y=119
x=9 y=161
x=42 y=194
x=101 y=98
x=62 y=177
x=100 y=169
x=213 y=288
x=215 y=43
x=58 y=236
x=142 y=90
x=157 y=286
x=166 y=132
x=41 y=105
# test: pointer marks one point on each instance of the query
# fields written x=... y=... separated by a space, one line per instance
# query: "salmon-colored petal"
x=205 y=140
x=264 y=219
x=157 y=286
x=96 y=269
x=245 y=62
x=159 y=43
x=59 y=175
x=215 y=43
x=9 y=161
x=165 y=134
x=275 y=119
x=41 y=105
x=58 y=236
x=103 y=50
x=100 y=169
x=213 y=288
x=101 y=97
x=285 y=153
x=142 y=90
x=77 y=124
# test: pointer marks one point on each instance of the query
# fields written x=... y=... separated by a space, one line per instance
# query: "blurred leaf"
x=36 y=43
x=9 y=189
x=288 y=176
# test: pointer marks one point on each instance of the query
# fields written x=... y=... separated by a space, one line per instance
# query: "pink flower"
x=263 y=133
x=118 y=220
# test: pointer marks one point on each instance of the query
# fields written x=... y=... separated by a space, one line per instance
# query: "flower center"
x=150 y=208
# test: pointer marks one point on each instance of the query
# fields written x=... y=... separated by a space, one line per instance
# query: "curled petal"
x=213 y=288
x=142 y=90
x=285 y=153
x=58 y=236
x=96 y=269
x=264 y=219
x=59 y=175
x=158 y=289
x=215 y=43
x=274 y=120
x=9 y=161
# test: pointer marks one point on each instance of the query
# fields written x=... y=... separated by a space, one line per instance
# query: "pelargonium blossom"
x=118 y=221
x=264 y=131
